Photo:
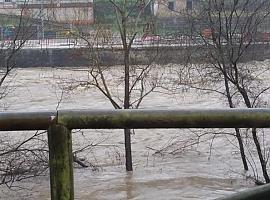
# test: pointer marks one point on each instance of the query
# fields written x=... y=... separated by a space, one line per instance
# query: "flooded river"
x=168 y=164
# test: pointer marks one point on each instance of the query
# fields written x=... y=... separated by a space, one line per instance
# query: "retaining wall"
x=72 y=57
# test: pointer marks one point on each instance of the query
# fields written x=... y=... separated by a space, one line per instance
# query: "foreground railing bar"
x=137 y=119
x=259 y=193
x=59 y=125
x=16 y=121
x=140 y=119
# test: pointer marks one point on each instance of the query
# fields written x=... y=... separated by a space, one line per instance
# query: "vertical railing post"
x=60 y=162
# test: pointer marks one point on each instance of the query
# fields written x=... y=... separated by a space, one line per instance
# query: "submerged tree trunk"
x=263 y=162
x=126 y=52
x=128 y=150
x=241 y=148
x=237 y=130
x=127 y=106
x=260 y=154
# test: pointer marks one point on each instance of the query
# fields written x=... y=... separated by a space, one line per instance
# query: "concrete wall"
x=161 y=55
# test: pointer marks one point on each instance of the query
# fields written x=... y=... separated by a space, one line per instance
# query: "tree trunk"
x=255 y=137
x=126 y=50
x=126 y=106
x=241 y=147
x=259 y=151
x=128 y=150
x=237 y=130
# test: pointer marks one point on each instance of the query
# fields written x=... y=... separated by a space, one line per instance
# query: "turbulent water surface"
x=183 y=169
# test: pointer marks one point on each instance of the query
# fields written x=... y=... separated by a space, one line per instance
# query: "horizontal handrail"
x=60 y=123
x=23 y=121
x=259 y=193
x=137 y=119
x=184 y=118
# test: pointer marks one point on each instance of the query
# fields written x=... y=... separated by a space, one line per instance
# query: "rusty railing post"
x=60 y=162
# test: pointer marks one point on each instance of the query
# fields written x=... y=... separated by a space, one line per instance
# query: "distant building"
x=171 y=8
x=104 y=11
x=68 y=11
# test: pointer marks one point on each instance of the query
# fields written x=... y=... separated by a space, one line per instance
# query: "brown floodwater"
x=183 y=169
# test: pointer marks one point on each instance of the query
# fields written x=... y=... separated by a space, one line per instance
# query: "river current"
x=168 y=164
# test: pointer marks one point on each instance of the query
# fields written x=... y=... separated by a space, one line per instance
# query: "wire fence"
x=66 y=37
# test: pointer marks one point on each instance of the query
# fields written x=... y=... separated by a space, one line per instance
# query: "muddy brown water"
x=193 y=172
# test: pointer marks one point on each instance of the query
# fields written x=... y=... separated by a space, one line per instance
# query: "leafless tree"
x=228 y=31
x=11 y=47
x=26 y=157
x=17 y=162
x=138 y=81
x=23 y=159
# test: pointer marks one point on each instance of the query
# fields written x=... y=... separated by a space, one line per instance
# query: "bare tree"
x=229 y=32
x=23 y=159
x=138 y=81
x=17 y=161
x=10 y=47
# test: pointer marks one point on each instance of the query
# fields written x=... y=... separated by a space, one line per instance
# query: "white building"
x=70 y=11
x=171 y=8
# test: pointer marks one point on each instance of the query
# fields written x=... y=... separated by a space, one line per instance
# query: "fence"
x=59 y=125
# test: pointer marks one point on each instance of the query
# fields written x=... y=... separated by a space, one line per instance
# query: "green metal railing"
x=59 y=125
x=257 y=193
